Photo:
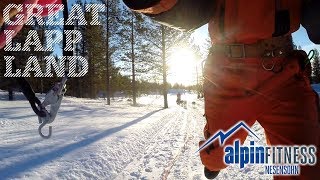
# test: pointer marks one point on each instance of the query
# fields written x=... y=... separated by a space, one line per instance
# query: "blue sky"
x=300 y=37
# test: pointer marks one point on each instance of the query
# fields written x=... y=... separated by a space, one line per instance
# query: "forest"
x=126 y=55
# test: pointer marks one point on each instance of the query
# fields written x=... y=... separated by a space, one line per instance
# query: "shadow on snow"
x=37 y=160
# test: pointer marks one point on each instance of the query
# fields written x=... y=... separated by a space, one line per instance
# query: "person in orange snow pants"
x=252 y=72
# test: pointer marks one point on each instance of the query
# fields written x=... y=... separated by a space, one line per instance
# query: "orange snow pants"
x=281 y=101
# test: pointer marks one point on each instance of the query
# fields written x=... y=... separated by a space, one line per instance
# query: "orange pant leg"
x=294 y=122
x=242 y=90
x=228 y=100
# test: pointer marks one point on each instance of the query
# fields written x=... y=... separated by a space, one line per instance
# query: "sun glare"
x=182 y=67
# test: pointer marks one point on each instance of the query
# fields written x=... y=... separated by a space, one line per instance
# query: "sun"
x=182 y=67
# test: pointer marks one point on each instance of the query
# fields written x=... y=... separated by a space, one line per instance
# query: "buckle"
x=231 y=51
x=273 y=53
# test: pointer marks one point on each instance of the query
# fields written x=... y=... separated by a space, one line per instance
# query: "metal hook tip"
x=45 y=136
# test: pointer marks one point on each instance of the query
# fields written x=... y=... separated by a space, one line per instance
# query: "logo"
x=224 y=136
x=279 y=160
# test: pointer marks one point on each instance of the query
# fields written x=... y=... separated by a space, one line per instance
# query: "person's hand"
x=310 y=19
x=140 y=4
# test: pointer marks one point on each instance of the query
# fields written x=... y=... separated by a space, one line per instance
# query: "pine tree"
x=96 y=57
x=129 y=34
x=76 y=87
x=152 y=45
x=107 y=32
x=20 y=61
x=161 y=41
x=316 y=67
x=110 y=26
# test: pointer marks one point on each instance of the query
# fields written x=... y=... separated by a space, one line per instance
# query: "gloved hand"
x=140 y=4
x=310 y=19
x=178 y=16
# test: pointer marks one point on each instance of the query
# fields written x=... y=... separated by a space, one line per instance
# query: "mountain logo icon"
x=223 y=136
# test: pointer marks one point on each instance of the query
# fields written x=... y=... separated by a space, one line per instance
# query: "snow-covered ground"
x=94 y=141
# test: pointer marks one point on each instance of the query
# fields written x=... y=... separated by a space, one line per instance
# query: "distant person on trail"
x=178 y=98
x=252 y=71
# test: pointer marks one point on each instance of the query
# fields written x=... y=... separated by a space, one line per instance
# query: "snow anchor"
x=52 y=98
x=50 y=130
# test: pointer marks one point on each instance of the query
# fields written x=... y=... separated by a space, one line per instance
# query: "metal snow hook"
x=50 y=130
x=53 y=99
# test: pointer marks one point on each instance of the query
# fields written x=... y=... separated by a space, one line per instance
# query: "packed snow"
x=92 y=140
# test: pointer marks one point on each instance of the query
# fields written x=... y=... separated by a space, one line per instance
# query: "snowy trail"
x=94 y=141
x=167 y=153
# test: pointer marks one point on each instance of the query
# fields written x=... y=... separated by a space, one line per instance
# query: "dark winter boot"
x=210 y=174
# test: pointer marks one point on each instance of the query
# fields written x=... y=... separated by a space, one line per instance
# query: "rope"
x=29 y=94
x=310 y=56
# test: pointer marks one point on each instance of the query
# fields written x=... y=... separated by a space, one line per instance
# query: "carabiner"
x=312 y=53
x=268 y=68
x=40 y=128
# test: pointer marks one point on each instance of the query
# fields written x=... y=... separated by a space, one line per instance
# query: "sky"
x=300 y=37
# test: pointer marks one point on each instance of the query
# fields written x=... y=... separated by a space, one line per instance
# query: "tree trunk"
x=66 y=27
x=10 y=94
x=107 y=57
x=164 y=72
x=134 y=88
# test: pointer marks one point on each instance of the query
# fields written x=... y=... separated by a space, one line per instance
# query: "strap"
x=222 y=13
x=282 y=20
x=277 y=5
x=29 y=94
x=268 y=48
x=31 y=97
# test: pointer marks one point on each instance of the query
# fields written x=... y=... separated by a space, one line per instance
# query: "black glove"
x=310 y=19
x=185 y=15
x=140 y=4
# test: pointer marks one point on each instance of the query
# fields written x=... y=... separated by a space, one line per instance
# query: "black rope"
x=311 y=55
x=30 y=94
